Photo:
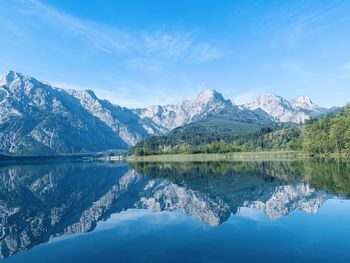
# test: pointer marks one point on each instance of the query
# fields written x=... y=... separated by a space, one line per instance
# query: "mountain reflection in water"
x=41 y=201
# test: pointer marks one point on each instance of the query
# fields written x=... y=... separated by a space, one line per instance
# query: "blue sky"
x=138 y=53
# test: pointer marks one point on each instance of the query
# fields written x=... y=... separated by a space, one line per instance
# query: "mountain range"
x=39 y=119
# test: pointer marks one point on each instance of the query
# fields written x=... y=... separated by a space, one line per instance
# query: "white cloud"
x=102 y=37
x=204 y=52
x=140 y=49
x=294 y=24
x=179 y=46
x=168 y=45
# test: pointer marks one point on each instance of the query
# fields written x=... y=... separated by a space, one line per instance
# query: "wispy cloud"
x=140 y=49
x=162 y=48
x=179 y=46
x=294 y=22
x=104 y=38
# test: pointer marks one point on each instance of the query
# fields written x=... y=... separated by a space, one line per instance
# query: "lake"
x=275 y=211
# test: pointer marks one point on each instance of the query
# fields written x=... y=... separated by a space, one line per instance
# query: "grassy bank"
x=238 y=156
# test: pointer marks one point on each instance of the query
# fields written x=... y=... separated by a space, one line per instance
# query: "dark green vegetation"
x=328 y=136
x=224 y=125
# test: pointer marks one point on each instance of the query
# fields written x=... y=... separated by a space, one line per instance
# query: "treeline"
x=194 y=143
x=327 y=136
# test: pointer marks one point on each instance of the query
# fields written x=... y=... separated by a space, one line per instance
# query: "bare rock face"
x=297 y=110
x=198 y=107
x=36 y=118
x=206 y=103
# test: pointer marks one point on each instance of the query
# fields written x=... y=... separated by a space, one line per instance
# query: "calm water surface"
x=295 y=211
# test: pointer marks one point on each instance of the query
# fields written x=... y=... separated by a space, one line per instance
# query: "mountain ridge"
x=36 y=117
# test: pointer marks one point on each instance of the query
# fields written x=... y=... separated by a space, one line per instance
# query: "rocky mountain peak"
x=206 y=100
x=304 y=102
x=10 y=77
x=207 y=96
x=175 y=115
x=280 y=109
x=268 y=98
x=35 y=118
x=18 y=84
x=83 y=94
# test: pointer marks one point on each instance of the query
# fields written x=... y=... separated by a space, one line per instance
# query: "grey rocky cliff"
x=297 y=110
x=36 y=118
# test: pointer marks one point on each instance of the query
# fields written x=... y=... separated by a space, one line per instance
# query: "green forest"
x=330 y=135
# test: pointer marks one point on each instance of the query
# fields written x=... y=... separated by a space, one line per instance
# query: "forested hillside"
x=327 y=136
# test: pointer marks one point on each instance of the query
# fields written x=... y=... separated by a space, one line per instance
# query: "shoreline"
x=237 y=156
x=203 y=157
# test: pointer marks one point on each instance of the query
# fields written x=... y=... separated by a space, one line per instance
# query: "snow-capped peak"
x=10 y=76
x=269 y=101
x=83 y=94
x=205 y=102
x=304 y=102
x=278 y=108
x=271 y=98
x=205 y=97
x=18 y=82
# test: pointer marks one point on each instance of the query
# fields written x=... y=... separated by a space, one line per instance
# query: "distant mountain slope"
x=232 y=121
x=267 y=108
x=198 y=107
x=298 y=110
x=36 y=118
x=206 y=103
